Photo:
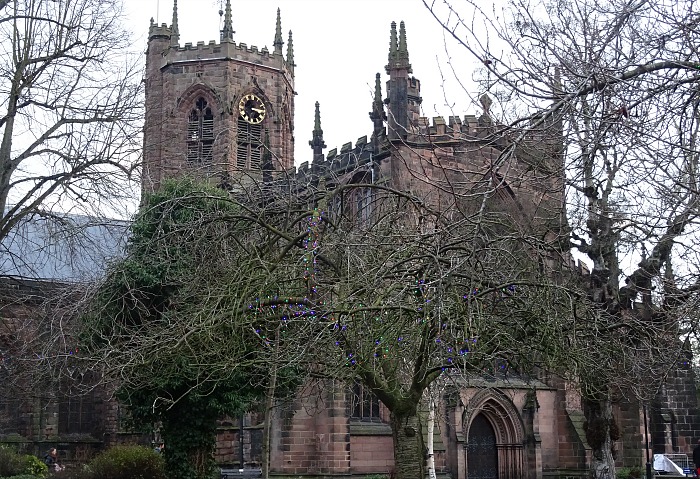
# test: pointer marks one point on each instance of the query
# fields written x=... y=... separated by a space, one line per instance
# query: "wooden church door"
x=482 y=456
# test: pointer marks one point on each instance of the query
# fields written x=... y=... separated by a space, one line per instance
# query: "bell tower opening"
x=200 y=133
x=252 y=111
x=250 y=145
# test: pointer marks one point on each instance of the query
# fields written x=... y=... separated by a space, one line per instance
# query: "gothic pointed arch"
x=482 y=451
x=190 y=95
x=495 y=435
x=202 y=110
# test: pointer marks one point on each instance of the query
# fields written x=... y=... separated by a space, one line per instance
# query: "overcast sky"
x=339 y=46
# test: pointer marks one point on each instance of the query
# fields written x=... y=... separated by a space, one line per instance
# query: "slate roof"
x=72 y=248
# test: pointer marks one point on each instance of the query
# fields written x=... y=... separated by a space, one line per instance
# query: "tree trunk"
x=431 y=434
x=409 y=450
x=194 y=461
x=189 y=434
x=601 y=432
x=267 y=424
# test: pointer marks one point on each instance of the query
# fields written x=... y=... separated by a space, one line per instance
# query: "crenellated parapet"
x=460 y=138
x=429 y=135
x=230 y=50
x=167 y=50
x=349 y=159
x=161 y=31
x=470 y=128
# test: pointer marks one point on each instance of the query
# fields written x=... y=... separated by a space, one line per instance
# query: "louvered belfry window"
x=200 y=133
x=250 y=148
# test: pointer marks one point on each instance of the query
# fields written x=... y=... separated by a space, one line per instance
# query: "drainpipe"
x=646 y=440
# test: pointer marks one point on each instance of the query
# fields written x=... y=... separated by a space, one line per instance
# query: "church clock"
x=216 y=110
x=252 y=109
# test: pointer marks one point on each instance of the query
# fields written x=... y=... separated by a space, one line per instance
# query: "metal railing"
x=233 y=473
x=684 y=461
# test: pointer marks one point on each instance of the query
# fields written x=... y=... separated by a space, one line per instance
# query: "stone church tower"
x=216 y=110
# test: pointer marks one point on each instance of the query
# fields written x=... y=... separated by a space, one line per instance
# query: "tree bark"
x=409 y=450
x=431 y=434
x=600 y=432
x=269 y=404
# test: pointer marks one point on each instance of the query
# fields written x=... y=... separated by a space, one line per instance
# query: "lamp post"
x=241 y=431
x=646 y=441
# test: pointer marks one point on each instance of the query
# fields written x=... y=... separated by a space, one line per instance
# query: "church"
x=224 y=111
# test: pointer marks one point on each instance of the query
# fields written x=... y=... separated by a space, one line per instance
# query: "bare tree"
x=342 y=279
x=413 y=294
x=71 y=109
x=622 y=77
x=70 y=115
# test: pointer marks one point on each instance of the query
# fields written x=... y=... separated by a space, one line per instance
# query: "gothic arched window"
x=200 y=133
x=364 y=405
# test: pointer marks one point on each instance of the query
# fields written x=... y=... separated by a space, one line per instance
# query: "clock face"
x=252 y=109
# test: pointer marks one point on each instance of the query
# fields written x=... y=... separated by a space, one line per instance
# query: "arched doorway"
x=482 y=455
x=494 y=438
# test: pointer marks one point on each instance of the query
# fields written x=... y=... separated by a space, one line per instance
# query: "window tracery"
x=200 y=133
x=364 y=404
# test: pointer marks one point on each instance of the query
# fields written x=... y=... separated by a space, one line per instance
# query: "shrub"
x=128 y=462
x=77 y=473
x=629 y=473
x=20 y=466
x=11 y=463
x=34 y=466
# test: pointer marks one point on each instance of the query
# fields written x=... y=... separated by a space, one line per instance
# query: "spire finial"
x=278 y=34
x=398 y=51
x=227 y=32
x=317 y=120
x=393 y=46
x=378 y=103
x=317 y=144
x=486 y=102
x=403 y=49
x=485 y=119
x=174 y=30
x=377 y=114
x=290 y=54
